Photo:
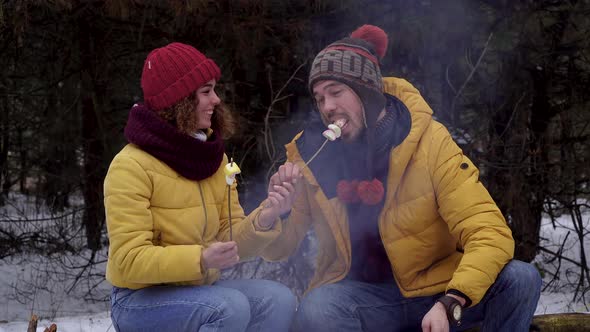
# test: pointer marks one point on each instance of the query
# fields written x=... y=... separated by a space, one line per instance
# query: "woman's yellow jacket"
x=159 y=222
x=440 y=227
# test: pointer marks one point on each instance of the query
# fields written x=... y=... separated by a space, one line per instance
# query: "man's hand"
x=436 y=319
x=220 y=255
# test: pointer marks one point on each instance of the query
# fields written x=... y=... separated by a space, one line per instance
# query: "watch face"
x=457 y=312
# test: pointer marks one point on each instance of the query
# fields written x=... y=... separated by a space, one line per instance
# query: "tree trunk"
x=93 y=101
x=93 y=175
x=522 y=182
x=4 y=144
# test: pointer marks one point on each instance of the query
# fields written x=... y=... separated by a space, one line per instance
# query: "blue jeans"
x=508 y=305
x=229 y=305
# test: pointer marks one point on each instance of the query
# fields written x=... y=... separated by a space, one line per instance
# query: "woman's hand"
x=220 y=255
x=283 y=188
x=287 y=172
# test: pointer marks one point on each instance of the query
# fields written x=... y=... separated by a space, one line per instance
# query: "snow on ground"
x=29 y=285
x=558 y=293
x=35 y=284
x=100 y=322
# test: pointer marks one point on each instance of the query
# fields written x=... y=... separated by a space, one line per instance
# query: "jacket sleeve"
x=250 y=241
x=294 y=228
x=472 y=216
x=127 y=192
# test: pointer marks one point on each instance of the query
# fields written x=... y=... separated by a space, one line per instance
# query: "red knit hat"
x=173 y=72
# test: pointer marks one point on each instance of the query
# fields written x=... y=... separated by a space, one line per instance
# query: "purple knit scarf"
x=193 y=159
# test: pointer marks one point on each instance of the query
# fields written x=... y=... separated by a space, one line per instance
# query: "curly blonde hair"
x=183 y=116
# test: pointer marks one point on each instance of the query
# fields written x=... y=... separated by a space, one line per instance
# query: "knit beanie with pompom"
x=354 y=61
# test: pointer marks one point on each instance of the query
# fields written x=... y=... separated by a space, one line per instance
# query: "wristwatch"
x=453 y=308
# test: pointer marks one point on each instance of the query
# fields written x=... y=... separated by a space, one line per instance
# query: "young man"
x=409 y=238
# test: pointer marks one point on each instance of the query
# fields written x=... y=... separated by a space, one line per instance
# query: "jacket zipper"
x=204 y=209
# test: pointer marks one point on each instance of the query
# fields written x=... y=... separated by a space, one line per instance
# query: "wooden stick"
x=229 y=211
x=33 y=324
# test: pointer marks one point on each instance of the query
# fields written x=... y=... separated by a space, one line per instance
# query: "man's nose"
x=329 y=106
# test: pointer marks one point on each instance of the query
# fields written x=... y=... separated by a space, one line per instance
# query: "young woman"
x=167 y=212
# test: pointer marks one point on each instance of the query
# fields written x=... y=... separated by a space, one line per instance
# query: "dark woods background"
x=509 y=79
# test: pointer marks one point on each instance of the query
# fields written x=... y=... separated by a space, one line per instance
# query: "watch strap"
x=449 y=302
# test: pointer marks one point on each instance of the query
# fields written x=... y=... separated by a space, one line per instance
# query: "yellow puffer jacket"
x=159 y=222
x=440 y=227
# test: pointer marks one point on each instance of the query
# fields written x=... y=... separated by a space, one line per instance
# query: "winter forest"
x=509 y=79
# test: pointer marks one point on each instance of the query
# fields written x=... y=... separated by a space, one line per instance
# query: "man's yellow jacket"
x=440 y=228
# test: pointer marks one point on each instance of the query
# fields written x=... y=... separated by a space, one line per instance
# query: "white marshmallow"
x=337 y=131
x=329 y=134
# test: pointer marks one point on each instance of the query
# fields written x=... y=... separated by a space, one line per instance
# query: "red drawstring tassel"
x=367 y=192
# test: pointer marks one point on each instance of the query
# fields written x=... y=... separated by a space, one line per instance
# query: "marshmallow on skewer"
x=230 y=170
x=329 y=134
x=334 y=130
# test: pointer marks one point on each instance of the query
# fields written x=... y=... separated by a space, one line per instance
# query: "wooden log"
x=562 y=322
x=558 y=323
x=52 y=328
